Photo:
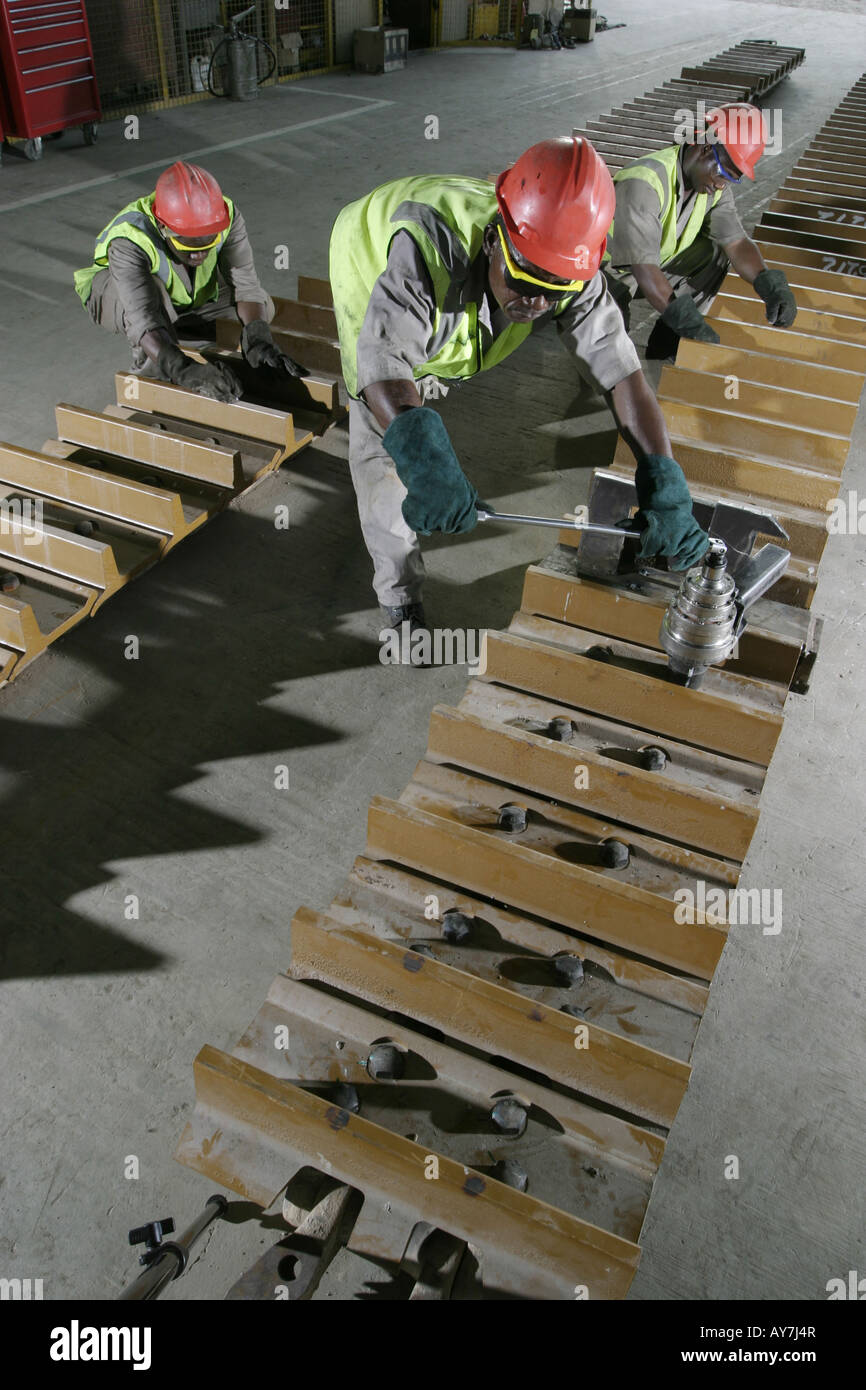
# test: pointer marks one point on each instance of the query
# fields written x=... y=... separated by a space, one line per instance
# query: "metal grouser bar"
x=117 y=490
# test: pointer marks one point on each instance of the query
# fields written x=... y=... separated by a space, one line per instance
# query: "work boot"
x=662 y=343
x=407 y=619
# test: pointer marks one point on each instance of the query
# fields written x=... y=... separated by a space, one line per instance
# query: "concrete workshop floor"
x=258 y=647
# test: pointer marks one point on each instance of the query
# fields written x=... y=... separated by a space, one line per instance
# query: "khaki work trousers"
x=398 y=569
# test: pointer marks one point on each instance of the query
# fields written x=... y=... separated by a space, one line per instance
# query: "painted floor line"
x=201 y=153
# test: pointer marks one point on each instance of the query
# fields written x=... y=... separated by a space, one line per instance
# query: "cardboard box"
x=380 y=49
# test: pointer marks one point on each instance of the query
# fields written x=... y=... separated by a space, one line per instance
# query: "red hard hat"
x=741 y=129
x=189 y=201
x=557 y=203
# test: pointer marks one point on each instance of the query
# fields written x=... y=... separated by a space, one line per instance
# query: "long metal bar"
x=779 y=372
x=609 y=788
x=395 y=902
x=221 y=467
x=776 y=404
x=810 y=449
x=172 y=1260
x=93 y=490
x=486 y=513
x=239 y=1103
x=708 y=721
x=613 y=1069
x=766 y=480
x=162 y=398
x=524 y=879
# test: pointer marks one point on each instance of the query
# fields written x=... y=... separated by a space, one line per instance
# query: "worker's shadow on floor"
x=224 y=626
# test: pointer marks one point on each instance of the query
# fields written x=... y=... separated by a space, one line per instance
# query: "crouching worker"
x=677 y=232
x=438 y=278
x=168 y=265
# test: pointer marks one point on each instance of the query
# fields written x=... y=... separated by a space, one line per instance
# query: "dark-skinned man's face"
x=519 y=301
x=701 y=171
x=189 y=258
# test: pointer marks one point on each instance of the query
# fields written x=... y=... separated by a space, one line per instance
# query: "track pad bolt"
x=509 y=1117
x=512 y=818
x=654 y=759
x=456 y=926
x=569 y=969
x=613 y=854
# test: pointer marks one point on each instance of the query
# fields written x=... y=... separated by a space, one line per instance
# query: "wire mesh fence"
x=160 y=52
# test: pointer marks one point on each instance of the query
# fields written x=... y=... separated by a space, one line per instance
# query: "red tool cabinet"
x=46 y=71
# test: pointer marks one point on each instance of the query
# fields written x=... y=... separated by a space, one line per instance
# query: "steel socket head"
x=86 y=528
x=599 y=653
x=9 y=582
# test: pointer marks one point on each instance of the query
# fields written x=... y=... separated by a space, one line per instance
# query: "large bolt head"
x=653 y=758
x=456 y=926
x=512 y=818
x=509 y=1117
x=613 y=854
x=509 y=1171
x=569 y=969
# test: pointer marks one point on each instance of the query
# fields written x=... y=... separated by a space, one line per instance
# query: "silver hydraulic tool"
x=707 y=613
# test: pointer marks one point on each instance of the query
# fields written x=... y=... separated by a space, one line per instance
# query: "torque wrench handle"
x=485 y=512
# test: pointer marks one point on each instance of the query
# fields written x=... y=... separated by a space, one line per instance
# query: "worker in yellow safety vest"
x=439 y=277
x=676 y=231
x=169 y=264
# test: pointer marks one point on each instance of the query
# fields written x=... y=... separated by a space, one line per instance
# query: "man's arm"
x=654 y=285
x=770 y=285
x=387 y=399
x=238 y=269
x=638 y=416
x=745 y=258
x=594 y=332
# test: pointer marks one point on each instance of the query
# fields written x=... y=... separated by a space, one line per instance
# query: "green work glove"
x=773 y=287
x=665 y=513
x=440 y=496
x=260 y=350
x=210 y=379
x=685 y=318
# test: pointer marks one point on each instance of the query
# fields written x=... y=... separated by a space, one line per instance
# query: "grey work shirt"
x=637 y=227
x=138 y=289
x=399 y=326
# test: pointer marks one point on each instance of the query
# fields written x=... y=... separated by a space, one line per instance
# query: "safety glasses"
x=518 y=279
x=212 y=245
x=731 y=178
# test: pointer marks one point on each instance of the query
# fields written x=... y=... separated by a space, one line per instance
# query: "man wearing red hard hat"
x=437 y=278
x=167 y=262
x=677 y=229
